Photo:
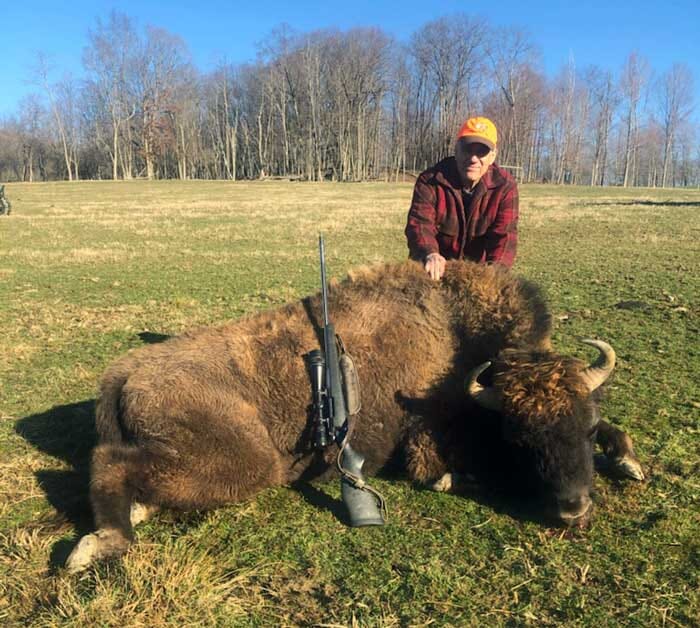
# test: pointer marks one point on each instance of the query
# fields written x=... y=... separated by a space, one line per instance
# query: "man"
x=465 y=206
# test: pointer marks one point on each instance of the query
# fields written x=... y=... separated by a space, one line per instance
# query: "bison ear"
x=485 y=396
x=596 y=374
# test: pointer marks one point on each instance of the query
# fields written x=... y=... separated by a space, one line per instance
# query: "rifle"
x=336 y=398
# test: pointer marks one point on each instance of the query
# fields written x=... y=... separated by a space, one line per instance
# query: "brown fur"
x=215 y=415
x=539 y=388
x=228 y=406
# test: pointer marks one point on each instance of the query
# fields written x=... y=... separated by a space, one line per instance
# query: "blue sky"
x=601 y=32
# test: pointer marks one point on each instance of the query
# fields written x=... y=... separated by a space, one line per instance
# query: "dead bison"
x=217 y=414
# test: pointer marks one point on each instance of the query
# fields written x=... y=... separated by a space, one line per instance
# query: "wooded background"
x=348 y=106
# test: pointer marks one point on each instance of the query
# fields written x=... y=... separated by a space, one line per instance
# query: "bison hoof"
x=96 y=546
x=454 y=483
x=629 y=466
x=141 y=512
x=444 y=484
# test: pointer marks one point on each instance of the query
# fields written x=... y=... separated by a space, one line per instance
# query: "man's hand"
x=435 y=265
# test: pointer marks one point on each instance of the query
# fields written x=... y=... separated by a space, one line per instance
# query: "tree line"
x=348 y=106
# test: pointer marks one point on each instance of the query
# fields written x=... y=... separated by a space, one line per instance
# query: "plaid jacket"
x=484 y=231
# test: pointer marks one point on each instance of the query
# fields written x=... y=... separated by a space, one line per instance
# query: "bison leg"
x=423 y=460
x=115 y=470
x=454 y=483
x=234 y=459
x=427 y=464
x=433 y=460
x=141 y=512
x=618 y=449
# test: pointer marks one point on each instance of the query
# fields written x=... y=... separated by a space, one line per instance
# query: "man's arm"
x=502 y=239
x=421 y=227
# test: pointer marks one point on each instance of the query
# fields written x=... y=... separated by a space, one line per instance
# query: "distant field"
x=89 y=270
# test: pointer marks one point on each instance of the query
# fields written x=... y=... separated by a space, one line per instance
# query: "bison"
x=217 y=414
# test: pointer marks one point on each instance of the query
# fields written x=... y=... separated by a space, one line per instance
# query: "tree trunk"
x=115 y=150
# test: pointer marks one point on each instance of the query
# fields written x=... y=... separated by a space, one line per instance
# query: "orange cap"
x=480 y=130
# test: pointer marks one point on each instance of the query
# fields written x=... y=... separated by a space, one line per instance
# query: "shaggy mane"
x=539 y=388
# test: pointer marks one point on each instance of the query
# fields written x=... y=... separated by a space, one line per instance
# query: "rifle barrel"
x=324 y=290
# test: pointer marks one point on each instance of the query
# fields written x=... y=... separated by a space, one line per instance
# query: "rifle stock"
x=363 y=502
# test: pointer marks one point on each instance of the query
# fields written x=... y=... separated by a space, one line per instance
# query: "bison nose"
x=575 y=511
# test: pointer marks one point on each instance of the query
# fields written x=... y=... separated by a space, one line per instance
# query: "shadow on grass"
x=504 y=502
x=317 y=498
x=490 y=490
x=493 y=492
x=152 y=338
x=65 y=432
x=647 y=202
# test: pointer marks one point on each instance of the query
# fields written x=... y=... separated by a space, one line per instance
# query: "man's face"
x=473 y=160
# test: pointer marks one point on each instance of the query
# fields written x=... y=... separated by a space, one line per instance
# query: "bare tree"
x=29 y=133
x=562 y=112
x=448 y=53
x=512 y=56
x=399 y=102
x=184 y=123
x=675 y=93
x=604 y=100
x=41 y=70
x=688 y=155
x=223 y=113
x=162 y=65
x=635 y=75
x=313 y=64
x=109 y=61
x=357 y=90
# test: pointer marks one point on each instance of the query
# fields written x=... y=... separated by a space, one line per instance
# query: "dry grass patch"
x=12 y=352
x=66 y=320
x=18 y=483
x=79 y=256
x=181 y=586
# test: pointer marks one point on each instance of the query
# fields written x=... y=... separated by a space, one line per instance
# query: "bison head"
x=549 y=416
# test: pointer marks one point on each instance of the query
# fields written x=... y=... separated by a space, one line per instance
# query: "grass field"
x=89 y=270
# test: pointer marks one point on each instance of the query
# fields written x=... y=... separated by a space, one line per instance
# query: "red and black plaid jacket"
x=486 y=230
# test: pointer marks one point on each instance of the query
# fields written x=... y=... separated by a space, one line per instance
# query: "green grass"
x=89 y=270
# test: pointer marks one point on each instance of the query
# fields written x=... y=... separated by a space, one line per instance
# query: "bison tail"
x=108 y=409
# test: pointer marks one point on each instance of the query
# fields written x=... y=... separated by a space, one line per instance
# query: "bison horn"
x=597 y=373
x=486 y=397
